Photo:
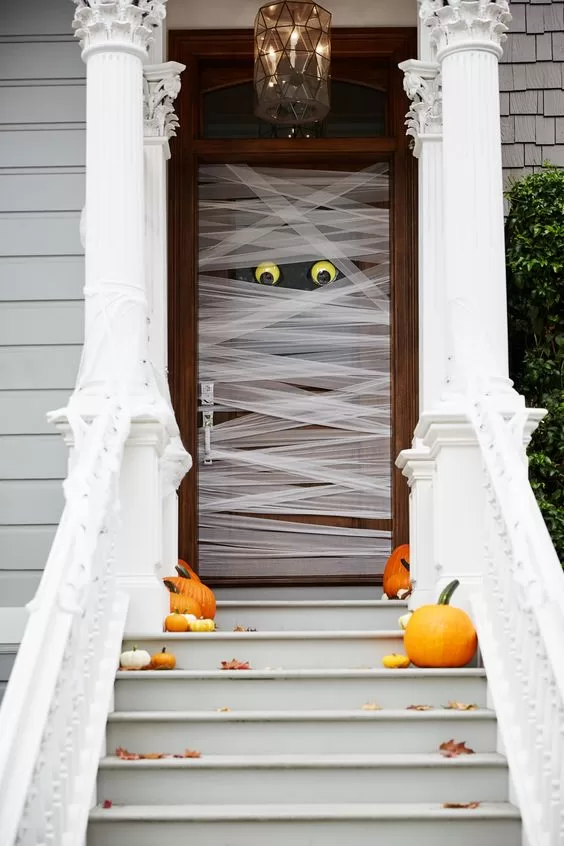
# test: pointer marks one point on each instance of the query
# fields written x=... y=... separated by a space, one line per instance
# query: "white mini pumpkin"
x=134 y=659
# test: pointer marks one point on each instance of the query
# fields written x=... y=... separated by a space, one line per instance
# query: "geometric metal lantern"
x=292 y=62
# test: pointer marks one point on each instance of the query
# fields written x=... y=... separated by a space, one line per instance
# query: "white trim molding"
x=422 y=84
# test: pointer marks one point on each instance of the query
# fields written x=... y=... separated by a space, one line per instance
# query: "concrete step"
x=272 y=650
x=307 y=615
x=299 y=732
x=306 y=825
x=288 y=779
x=194 y=690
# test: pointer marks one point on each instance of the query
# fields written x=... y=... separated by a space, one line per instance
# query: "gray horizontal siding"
x=42 y=154
x=531 y=85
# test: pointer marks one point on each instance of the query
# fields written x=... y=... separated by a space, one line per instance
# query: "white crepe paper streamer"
x=308 y=371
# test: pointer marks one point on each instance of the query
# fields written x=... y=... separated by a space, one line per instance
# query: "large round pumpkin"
x=440 y=635
x=396 y=572
x=190 y=585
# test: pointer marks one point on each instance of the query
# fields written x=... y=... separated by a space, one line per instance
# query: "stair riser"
x=140 y=785
x=207 y=652
x=243 y=693
x=384 y=617
x=299 y=736
x=311 y=833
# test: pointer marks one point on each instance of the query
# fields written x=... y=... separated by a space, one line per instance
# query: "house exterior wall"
x=42 y=105
x=42 y=113
x=531 y=85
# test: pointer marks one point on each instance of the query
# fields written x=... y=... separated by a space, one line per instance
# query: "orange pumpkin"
x=186 y=566
x=181 y=602
x=440 y=635
x=163 y=660
x=176 y=622
x=192 y=586
x=396 y=572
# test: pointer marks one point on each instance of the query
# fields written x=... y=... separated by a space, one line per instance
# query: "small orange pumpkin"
x=176 y=622
x=181 y=602
x=440 y=635
x=192 y=586
x=163 y=660
x=396 y=572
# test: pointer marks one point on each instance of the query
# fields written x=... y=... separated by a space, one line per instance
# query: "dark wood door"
x=220 y=64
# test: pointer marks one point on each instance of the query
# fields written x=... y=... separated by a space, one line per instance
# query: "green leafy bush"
x=535 y=278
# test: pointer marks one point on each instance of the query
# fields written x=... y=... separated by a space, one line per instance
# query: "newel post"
x=114 y=36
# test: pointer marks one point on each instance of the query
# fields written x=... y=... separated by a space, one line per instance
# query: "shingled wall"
x=531 y=85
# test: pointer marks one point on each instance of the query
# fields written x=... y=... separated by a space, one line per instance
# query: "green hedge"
x=535 y=279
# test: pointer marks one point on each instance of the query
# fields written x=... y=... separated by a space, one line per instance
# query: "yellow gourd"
x=201 y=625
x=395 y=661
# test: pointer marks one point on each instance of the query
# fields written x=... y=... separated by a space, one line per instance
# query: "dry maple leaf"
x=470 y=805
x=452 y=749
x=243 y=629
x=460 y=706
x=235 y=665
x=107 y=803
x=125 y=755
x=419 y=708
x=371 y=706
x=192 y=753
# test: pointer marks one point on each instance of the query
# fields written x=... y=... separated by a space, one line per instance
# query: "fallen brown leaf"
x=124 y=755
x=243 y=629
x=460 y=706
x=235 y=665
x=371 y=706
x=419 y=708
x=223 y=710
x=452 y=749
x=191 y=753
x=107 y=803
x=471 y=805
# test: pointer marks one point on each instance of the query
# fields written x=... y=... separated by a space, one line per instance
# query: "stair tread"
x=400 y=760
x=369 y=672
x=306 y=634
x=400 y=811
x=311 y=603
x=312 y=715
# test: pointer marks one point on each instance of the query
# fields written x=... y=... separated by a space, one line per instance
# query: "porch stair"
x=296 y=758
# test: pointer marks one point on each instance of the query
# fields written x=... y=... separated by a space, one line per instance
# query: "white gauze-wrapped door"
x=294 y=372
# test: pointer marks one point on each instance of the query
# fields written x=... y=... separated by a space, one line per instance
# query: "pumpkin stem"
x=171 y=586
x=182 y=572
x=405 y=564
x=446 y=593
x=163 y=650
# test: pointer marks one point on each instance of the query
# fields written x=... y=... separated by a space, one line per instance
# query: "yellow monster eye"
x=267 y=274
x=323 y=272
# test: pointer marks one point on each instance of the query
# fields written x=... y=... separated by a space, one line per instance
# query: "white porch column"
x=114 y=36
x=467 y=36
x=162 y=84
x=422 y=84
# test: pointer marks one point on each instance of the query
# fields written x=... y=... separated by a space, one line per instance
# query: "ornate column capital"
x=161 y=85
x=422 y=84
x=466 y=24
x=124 y=25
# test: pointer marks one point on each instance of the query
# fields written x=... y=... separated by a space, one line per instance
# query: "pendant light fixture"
x=292 y=62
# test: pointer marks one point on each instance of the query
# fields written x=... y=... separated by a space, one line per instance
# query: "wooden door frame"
x=193 y=48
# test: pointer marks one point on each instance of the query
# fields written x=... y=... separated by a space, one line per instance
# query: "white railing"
x=520 y=619
x=53 y=715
